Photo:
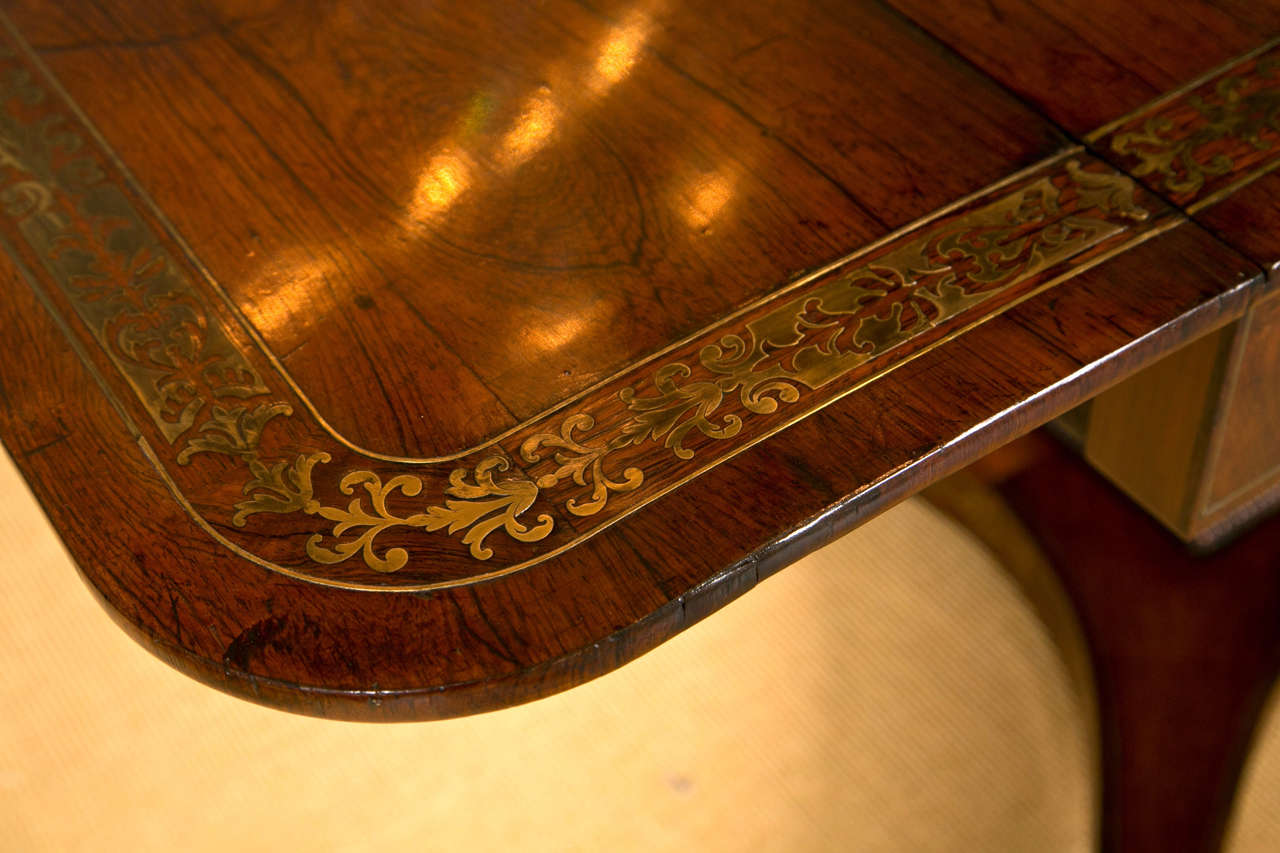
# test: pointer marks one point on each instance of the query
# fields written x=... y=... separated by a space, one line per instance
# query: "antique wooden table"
x=395 y=361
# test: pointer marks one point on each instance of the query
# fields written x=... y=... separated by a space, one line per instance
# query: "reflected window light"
x=555 y=333
x=445 y=178
x=531 y=132
x=284 y=292
x=703 y=200
x=550 y=337
x=618 y=54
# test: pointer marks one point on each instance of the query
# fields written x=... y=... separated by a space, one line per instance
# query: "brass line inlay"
x=598 y=457
x=1209 y=138
x=141 y=309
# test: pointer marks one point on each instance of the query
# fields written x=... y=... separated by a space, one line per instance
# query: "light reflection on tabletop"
x=703 y=199
x=445 y=178
x=619 y=52
x=449 y=173
x=532 y=131
x=480 y=155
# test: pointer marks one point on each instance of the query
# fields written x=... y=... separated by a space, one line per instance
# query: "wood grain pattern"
x=1127 y=56
x=1123 y=55
x=1209 y=145
x=1209 y=138
x=356 y=655
x=221 y=425
x=991 y=315
x=517 y=202
x=1206 y=131
x=1151 y=434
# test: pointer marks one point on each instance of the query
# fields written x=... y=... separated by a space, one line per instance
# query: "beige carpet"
x=1255 y=822
x=891 y=693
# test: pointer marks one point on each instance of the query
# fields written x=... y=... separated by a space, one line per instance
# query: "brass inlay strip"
x=1207 y=139
x=1180 y=91
x=264 y=348
x=237 y=453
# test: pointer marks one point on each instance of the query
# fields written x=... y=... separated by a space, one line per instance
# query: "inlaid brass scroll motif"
x=146 y=316
x=883 y=303
x=806 y=342
x=1229 y=128
x=583 y=463
x=477 y=503
x=569 y=473
x=479 y=507
x=194 y=382
x=476 y=508
x=206 y=397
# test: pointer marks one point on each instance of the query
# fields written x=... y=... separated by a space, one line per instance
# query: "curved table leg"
x=1184 y=648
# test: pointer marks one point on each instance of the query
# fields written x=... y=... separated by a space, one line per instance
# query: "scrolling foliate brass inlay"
x=159 y=333
x=266 y=479
x=141 y=309
x=478 y=506
x=584 y=464
x=926 y=281
x=1209 y=138
x=824 y=332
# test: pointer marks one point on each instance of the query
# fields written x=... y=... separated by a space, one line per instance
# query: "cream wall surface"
x=892 y=692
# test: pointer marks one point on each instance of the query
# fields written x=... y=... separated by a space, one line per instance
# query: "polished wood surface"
x=1126 y=55
x=1185 y=100
x=1086 y=63
x=425 y=360
x=517 y=201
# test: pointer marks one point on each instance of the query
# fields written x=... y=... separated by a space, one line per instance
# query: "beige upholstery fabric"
x=1255 y=822
x=891 y=693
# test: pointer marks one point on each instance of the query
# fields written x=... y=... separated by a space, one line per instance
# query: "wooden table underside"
x=436 y=427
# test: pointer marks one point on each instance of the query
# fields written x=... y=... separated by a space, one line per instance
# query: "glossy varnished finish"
x=446 y=241
x=1126 y=55
x=380 y=656
x=1086 y=63
x=515 y=201
x=1209 y=142
x=267 y=482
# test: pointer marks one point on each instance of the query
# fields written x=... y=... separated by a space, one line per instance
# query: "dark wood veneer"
x=531 y=281
x=378 y=656
x=314 y=163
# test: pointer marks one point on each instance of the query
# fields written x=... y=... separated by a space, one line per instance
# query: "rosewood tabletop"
x=386 y=360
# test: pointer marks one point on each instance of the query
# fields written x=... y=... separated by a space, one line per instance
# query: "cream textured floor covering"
x=1255 y=824
x=891 y=693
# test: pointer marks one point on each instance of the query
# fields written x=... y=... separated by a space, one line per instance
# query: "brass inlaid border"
x=1206 y=139
x=190 y=256
x=238 y=459
x=1180 y=91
